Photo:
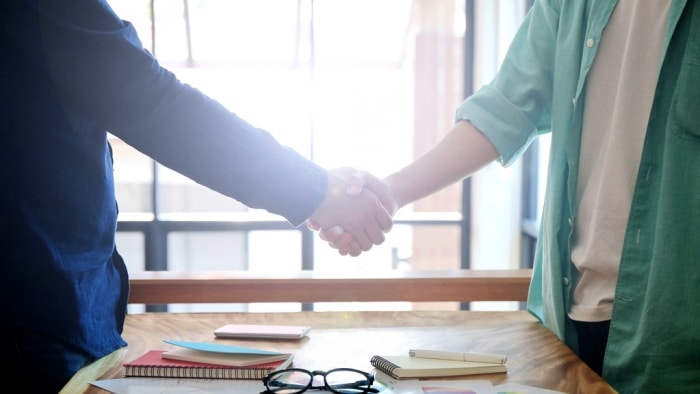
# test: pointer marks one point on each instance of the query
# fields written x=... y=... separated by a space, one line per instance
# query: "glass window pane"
x=405 y=248
x=364 y=119
x=263 y=251
x=170 y=32
x=133 y=179
x=207 y=251
x=179 y=194
x=131 y=246
x=252 y=33
x=274 y=251
x=361 y=33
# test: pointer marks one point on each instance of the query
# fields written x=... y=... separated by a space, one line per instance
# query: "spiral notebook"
x=152 y=364
x=405 y=367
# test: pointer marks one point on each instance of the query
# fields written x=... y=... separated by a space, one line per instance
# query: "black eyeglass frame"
x=326 y=386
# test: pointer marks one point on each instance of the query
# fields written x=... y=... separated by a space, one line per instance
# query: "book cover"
x=403 y=367
x=152 y=364
x=214 y=353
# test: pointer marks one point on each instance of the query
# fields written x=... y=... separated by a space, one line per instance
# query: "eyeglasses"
x=339 y=381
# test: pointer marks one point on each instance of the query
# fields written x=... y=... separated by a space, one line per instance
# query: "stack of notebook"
x=208 y=361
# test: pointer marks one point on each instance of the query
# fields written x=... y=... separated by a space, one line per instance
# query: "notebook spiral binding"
x=383 y=365
x=194 y=372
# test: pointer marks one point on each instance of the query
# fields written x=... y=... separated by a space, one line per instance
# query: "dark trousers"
x=592 y=340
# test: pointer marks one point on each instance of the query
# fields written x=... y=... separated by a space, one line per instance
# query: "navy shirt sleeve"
x=100 y=69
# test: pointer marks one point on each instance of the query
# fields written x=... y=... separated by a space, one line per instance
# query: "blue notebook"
x=215 y=353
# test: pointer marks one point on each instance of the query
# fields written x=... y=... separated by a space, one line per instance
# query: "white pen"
x=459 y=356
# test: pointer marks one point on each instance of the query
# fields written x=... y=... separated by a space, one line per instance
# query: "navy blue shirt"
x=70 y=72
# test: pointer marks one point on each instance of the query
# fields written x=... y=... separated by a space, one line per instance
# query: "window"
x=366 y=83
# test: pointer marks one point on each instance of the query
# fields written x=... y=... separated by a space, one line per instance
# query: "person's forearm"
x=463 y=151
x=107 y=81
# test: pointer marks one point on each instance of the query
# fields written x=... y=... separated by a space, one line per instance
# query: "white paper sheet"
x=170 y=385
x=135 y=385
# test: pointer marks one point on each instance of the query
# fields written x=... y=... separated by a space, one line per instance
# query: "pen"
x=458 y=356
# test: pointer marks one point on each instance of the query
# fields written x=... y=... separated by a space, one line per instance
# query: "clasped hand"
x=356 y=212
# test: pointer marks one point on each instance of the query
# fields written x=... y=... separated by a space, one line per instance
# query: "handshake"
x=356 y=212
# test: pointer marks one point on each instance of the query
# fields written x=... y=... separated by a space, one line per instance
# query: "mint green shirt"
x=654 y=342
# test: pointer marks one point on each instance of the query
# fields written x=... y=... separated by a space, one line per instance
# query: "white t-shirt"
x=619 y=95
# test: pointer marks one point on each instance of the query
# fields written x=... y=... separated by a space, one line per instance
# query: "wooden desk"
x=349 y=339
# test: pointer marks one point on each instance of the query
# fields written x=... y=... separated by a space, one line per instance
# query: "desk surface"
x=349 y=339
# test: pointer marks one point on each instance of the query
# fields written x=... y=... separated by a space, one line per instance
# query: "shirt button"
x=571 y=222
x=566 y=281
x=590 y=42
x=573 y=100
